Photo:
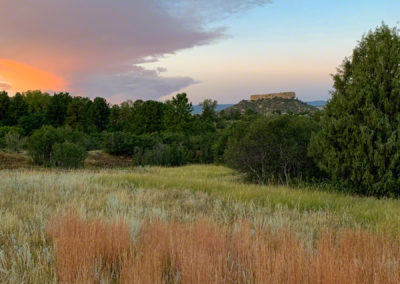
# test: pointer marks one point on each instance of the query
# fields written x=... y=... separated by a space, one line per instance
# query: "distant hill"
x=317 y=103
x=197 y=108
x=271 y=105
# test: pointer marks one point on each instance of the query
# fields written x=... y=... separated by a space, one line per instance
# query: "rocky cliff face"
x=267 y=106
x=284 y=95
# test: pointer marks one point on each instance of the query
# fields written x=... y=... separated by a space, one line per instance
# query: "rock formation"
x=284 y=95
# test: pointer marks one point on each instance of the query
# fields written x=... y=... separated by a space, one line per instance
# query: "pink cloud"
x=5 y=86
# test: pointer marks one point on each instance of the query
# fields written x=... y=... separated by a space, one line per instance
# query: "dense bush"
x=359 y=144
x=234 y=132
x=68 y=155
x=40 y=144
x=119 y=143
x=160 y=155
x=5 y=130
x=273 y=149
x=201 y=148
x=14 y=142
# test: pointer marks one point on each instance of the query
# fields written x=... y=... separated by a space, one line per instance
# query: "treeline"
x=150 y=131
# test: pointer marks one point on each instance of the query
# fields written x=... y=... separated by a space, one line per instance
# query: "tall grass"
x=203 y=252
x=88 y=251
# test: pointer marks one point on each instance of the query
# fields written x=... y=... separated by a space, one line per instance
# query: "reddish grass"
x=207 y=253
x=88 y=250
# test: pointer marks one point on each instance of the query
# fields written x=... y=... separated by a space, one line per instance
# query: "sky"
x=225 y=50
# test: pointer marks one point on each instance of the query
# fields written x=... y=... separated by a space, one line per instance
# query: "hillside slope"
x=272 y=105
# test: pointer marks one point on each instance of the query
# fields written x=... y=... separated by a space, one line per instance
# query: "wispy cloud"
x=4 y=86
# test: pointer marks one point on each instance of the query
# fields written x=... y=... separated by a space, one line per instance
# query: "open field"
x=193 y=224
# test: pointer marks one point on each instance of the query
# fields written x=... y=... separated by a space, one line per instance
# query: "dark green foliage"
x=17 y=108
x=178 y=111
x=201 y=148
x=235 y=130
x=99 y=112
x=68 y=155
x=74 y=136
x=14 y=142
x=93 y=141
x=147 y=117
x=119 y=143
x=115 y=119
x=4 y=105
x=273 y=149
x=40 y=144
x=78 y=114
x=161 y=155
x=56 y=112
x=209 y=113
x=5 y=130
x=31 y=122
x=37 y=102
x=359 y=144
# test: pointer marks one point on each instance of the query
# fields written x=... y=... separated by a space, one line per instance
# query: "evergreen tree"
x=77 y=113
x=115 y=119
x=18 y=108
x=178 y=113
x=209 y=113
x=37 y=101
x=148 y=117
x=359 y=144
x=57 y=109
x=99 y=112
x=4 y=105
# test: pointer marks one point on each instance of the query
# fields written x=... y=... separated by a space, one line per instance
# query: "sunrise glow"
x=21 y=77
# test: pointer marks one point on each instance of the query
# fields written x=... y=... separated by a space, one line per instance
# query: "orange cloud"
x=22 y=77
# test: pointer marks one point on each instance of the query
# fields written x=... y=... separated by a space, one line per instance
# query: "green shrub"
x=68 y=155
x=14 y=142
x=94 y=141
x=273 y=149
x=4 y=130
x=160 y=155
x=201 y=148
x=40 y=144
x=74 y=136
x=119 y=143
x=31 y=122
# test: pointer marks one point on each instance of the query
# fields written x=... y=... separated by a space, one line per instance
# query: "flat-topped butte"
x=282 y=95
